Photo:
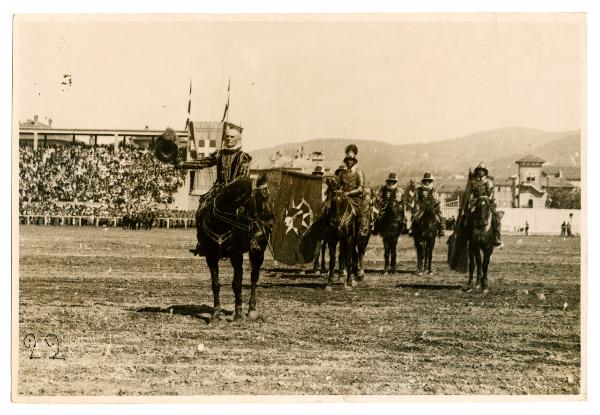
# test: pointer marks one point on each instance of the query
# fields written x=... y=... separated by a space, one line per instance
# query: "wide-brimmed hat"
x=427 y=177
x=318 y=171
x=339 y=169
x=392 y=178
x=481 y=166
x=351 y=152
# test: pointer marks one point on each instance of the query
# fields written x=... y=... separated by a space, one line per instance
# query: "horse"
x=362 y=241
x=343 y=219
x=389 y=225
x=480 y=231
x=238 y=212
x=424 y=231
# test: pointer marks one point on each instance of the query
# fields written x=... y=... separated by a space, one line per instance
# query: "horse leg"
x=213 y=265
x=361 y=249
x=238 y=272
x=386 y=256
x=419 y=246
x=332 y=248
x=393 y=244
x=486 y=262
x=256 y=260
x=316 y=261
x=478 y=261
x=470 y=284
x=323 y=248
x=430 y=247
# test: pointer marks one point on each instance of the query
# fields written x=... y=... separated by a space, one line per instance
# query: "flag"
x=187 y=121
x=458 y=243
x=297 y=204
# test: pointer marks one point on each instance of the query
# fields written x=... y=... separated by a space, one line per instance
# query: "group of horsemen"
x=232 y=163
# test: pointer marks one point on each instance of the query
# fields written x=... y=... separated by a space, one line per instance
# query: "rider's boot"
x=199 y=250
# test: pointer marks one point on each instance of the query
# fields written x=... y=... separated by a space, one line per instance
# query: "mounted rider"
x=482 y=185
x=232 y=163
x=352 y=183
x=425 y=194
x=389 y=191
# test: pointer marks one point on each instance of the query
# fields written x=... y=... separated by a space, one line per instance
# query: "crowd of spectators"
x=84 y=180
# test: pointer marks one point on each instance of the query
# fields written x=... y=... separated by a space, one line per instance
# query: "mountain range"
x=498 y=149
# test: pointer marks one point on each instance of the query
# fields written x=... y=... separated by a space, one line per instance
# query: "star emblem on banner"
x=297 y=217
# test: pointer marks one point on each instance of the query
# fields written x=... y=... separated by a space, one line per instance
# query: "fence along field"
x=129 y=312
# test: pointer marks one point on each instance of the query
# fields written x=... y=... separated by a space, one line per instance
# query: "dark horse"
x=425 y=228
x=225 y=229
x=480 y=231
x=389 y=225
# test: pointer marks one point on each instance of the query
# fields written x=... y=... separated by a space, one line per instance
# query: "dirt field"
x=129 y=310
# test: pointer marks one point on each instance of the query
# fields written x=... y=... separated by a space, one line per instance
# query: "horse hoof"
x=385 y=274
x=347 y=287
x=430 y=272
x=317 y=272
x=238 y=317
x=328 y=288
x=253 y=315
x=485 y=291
x=353 y=283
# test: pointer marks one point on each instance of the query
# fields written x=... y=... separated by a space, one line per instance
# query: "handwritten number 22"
x=51 y=341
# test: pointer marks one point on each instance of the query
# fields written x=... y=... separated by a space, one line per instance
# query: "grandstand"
x=61 y=183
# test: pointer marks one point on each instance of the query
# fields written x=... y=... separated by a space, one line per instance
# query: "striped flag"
x=187 y=121
x=225 y=112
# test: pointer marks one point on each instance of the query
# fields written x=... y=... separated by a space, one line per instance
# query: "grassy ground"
x=129 y=310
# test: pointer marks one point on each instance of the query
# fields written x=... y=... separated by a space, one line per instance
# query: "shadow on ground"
x=193 y=310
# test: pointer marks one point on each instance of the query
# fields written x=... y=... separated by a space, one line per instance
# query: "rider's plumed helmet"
x=351 y=152
x=481 y=167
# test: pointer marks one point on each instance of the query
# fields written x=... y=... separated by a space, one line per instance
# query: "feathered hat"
x=351 y=152
x=167 y=146
x=481 y=166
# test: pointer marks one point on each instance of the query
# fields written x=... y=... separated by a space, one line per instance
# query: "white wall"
x=545 y=221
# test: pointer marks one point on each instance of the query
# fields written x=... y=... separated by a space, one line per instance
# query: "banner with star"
x=297 y=205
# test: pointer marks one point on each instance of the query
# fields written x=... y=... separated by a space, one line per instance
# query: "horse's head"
x=480 y=215
x=338 y=208
x=261 y=205
x=234 y=195
x=429 y=208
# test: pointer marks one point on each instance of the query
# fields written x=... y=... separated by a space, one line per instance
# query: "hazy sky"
x=396 y=80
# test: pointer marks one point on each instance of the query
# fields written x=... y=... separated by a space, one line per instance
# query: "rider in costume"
x=232 y=163
x=352 y=183
x=482 y=185
x=389 y=191
x=424 y=194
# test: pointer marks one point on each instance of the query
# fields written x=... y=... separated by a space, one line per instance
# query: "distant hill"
x=498 y=149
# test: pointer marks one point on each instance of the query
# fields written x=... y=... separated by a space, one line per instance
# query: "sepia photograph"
x=305 y=207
